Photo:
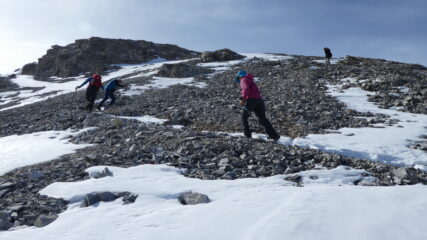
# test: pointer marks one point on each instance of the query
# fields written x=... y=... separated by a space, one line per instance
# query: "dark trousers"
x=257 y=106
x=108 y=94
x=91 y=93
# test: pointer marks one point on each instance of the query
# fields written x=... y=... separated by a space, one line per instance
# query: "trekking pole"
x=77 y=103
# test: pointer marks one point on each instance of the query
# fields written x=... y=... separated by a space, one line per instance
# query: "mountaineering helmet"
x=242 y=73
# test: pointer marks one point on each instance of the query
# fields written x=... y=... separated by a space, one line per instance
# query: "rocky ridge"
x=99 y=54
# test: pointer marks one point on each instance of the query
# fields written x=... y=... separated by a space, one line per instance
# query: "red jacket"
x=93 y=82
x=249 y=87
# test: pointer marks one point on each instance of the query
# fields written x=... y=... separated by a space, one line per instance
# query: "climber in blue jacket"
x=109 y=91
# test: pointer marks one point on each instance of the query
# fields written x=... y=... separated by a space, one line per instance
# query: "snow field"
x=261 y=208
x=22 y=150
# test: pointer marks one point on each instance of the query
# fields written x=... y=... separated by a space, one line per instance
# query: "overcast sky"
x=390 y=29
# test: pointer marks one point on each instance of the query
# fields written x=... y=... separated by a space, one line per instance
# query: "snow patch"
x=162 y=82
x=22 y=150
x=145 y=119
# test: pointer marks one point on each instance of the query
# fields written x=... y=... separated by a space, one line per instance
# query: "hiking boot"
x=275 y=138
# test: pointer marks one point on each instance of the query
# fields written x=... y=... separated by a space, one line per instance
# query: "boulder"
x=128 y=197
x=104 y=173
x=96 y=197
x=220 y=56
x=404 y=176
x=191 y=198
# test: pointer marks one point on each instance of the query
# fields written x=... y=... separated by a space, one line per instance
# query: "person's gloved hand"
x=242 y=102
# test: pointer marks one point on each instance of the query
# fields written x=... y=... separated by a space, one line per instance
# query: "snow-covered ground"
x=263 y=208
x=22 y=150
x=146 y=119
x=386 y=143
x=389 y=144
x=51 y=89
x=332 y=61
x=227 y=65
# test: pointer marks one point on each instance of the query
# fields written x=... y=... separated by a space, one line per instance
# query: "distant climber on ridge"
x=110 y=88
x=328 y=55
x=92 y=90
x=251 y=101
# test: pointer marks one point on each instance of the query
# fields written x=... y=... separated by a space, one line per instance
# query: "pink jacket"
x=249 y=87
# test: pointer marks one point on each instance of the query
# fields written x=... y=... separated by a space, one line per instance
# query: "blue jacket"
x=112 y=85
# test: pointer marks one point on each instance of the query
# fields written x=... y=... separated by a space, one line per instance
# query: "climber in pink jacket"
x=251 y=101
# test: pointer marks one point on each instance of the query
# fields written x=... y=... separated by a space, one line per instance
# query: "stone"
x=96 y=197
x=91 y=157
x=116 y=123
x=4 y=192
x=129 y=197
x=294 y=178
x=191 y=198
x=104 y=173
x=15 y=208
x=5 y=221
x=403 y=176
x=6 y=185
x=44 y=220
x=35 y=175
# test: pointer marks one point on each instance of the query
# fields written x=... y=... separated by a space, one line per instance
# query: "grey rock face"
x=93 y=198
x=97 y=54
x=44 y=220
x=5 y=221
x=220 y=55
x=193 y=198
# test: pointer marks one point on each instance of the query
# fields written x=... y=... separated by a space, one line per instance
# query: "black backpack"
x=328 y=53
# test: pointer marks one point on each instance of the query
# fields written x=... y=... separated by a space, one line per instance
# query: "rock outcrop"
x=181 y=70
x=220 y=55
x=98 y=54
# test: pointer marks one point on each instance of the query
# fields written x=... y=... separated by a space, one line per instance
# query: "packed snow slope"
x=348 y=130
